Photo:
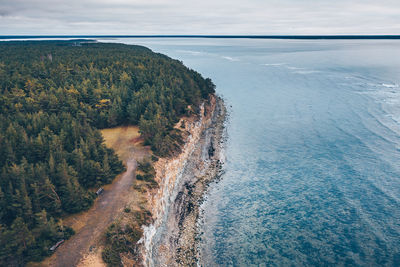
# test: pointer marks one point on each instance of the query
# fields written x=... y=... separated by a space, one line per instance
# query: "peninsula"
x=93 y=138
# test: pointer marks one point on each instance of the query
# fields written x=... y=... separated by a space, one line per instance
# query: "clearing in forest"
x=90 y=225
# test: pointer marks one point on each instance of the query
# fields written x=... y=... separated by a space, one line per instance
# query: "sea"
x=312 y=157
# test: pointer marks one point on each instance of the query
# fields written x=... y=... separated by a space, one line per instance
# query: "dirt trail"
x=96 y=220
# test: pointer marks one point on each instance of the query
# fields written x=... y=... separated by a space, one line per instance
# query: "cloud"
x=199 y=17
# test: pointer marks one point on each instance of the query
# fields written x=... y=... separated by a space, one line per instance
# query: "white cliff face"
x=169 y=173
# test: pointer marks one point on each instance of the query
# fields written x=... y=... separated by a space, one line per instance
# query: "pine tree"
x=22 y=238
x=51 y=151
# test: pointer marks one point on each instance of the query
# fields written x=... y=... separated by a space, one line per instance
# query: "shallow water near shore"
x=312 y=172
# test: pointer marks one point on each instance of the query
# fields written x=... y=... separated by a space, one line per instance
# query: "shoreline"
x=175 y=202
x=171 y=240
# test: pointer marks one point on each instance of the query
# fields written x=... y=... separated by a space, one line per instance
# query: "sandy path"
x=96 y=220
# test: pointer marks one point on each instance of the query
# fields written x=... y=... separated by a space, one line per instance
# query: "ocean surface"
x=312 y=171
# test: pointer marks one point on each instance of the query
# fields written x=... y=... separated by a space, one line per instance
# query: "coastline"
x=170 y=235
x=171 y=240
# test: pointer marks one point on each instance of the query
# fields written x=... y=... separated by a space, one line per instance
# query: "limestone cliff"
x=170 y=240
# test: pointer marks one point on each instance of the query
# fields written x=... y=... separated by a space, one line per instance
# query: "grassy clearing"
x=120 y=240
x=127 y=143
x=124 y=140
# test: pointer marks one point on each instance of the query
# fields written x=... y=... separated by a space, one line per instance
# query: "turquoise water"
x=312 y=172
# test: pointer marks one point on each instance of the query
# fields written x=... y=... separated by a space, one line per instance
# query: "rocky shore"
x=171 y=239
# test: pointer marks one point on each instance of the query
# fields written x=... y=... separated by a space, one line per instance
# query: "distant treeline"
x=304 y=37
x=55 y=95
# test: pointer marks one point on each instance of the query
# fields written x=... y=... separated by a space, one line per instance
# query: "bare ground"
x=103 y=212
x=84 y=248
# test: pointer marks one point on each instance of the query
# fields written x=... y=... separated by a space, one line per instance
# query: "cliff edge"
x=171 y=239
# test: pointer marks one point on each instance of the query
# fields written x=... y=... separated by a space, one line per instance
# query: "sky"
x=268 y=17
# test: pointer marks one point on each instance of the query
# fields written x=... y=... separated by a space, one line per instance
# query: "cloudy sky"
x=18 y=17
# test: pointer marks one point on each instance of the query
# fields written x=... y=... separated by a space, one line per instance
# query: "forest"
x=54 y=98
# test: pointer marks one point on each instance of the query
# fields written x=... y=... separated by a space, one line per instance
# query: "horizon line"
x=347 y=36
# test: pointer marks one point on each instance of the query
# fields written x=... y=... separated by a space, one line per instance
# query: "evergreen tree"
x=52 y=154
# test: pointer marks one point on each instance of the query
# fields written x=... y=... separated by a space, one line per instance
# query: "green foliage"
x=123 y=237
x=120 y=239
x=146 y=173
x=145 y=166
x=111 y=257
x=54 y=97
x=154 y=158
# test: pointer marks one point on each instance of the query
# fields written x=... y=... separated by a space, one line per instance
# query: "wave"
x=273 y=64
x=192 y=52
x=294 y=68
x=304 y=72
x=387 y=85
x=230 y=58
